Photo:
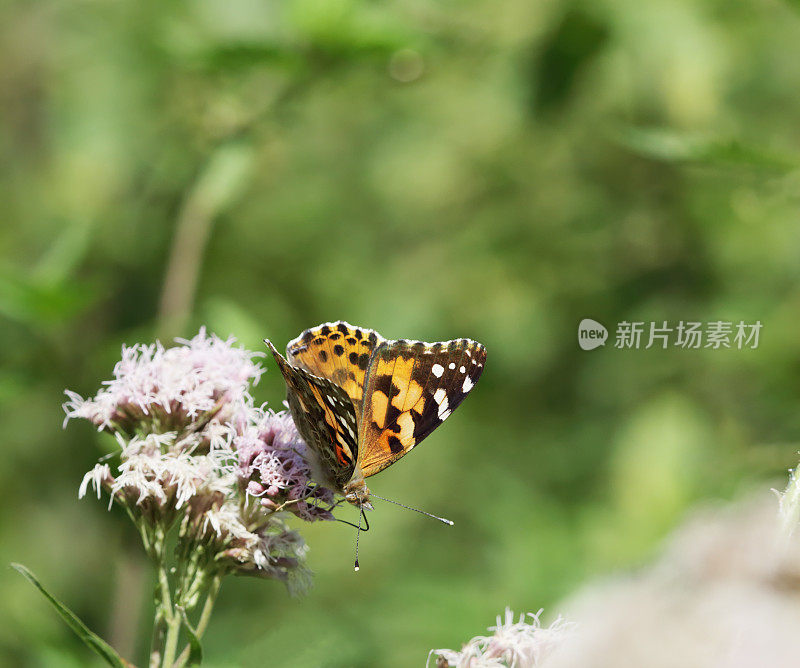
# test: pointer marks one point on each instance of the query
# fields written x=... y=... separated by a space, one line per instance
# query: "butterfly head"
x=357 y=493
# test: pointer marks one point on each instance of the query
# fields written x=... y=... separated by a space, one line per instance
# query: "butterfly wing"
x=325 y=418
x=337 y=351
x=412 y=387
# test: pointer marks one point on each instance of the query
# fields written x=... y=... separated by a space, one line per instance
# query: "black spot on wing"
x=384 y=384
x=395 y=445
x=392 y=413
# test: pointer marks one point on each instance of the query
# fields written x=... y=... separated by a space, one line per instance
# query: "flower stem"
x=159 y=635
x=208 y=606
x=171 y=644
x=164 y=613
x=205 y=616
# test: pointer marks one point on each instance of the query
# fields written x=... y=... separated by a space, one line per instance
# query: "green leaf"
x=669 y=145
x=81 y=630
x=195 y=648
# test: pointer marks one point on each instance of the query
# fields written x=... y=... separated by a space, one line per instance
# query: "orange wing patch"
x=337 y=351
x=379 y=405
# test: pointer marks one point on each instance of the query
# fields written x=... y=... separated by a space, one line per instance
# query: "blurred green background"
x=433 y=170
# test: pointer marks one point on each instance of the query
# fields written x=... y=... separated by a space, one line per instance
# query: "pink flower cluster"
x=273 y=466
x=194 y=448
x=157 y=389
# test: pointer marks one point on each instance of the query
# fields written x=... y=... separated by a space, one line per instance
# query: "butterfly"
x=362 y=402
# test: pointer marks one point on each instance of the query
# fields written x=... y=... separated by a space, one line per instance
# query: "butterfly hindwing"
x=337 y=351
x=411 y=388
x=325 y=417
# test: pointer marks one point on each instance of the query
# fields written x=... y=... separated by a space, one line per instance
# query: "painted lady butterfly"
x=362 y=402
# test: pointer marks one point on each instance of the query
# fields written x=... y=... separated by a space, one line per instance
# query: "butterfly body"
x=362 y=402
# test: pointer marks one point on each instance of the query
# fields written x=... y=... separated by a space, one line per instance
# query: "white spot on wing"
x=452 y=365
x=439 y=395
x=461 y=369
x=437 y=370
x=468 y=385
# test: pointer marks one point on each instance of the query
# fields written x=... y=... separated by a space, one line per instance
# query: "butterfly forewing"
x=325 y=417
x=411 y=388
x=337 y=351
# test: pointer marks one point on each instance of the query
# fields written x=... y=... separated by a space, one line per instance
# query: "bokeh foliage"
x=432 y=170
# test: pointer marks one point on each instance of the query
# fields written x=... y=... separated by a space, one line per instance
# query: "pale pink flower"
x=168 y=389
x=513 y=644
x=273 y=466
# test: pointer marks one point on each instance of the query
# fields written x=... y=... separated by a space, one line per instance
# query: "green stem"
x=205 y=616
x=182 y=552
x=171 y=644
x=194 y=585
x=208 y=606
x=159 y=636
x=190 y=578
x=164 y=613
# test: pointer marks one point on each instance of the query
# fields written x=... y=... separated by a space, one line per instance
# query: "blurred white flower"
x=514 y=644
x=724 y=594
x=249 y=541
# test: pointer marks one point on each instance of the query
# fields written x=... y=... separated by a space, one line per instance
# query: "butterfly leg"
x=356 y=526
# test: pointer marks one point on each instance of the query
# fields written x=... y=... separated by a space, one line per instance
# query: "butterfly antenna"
x=416 y=510
x=358 y=533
